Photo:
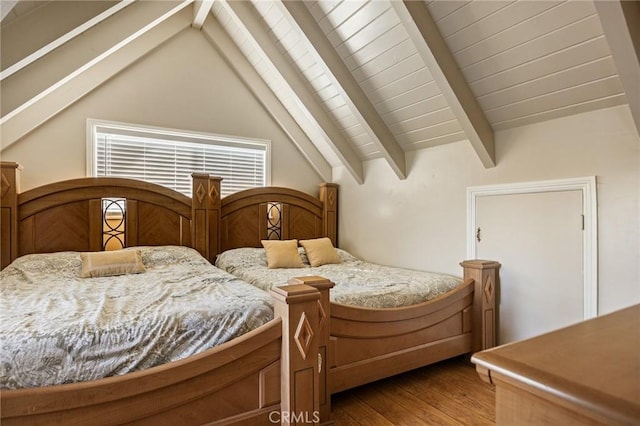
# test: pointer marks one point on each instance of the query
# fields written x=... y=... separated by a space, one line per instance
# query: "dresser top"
x=594 y=364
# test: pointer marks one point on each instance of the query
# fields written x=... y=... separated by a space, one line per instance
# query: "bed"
x=361 y=344
x=264 y=364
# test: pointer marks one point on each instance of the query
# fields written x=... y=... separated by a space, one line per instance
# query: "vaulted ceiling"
x=347 y=80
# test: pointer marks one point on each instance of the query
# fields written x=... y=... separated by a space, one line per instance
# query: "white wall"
x=420 y=222
x=184 y=84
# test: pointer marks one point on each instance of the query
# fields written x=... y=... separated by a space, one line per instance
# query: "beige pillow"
x=320 y=251
x=109 y=263
x=282 y=254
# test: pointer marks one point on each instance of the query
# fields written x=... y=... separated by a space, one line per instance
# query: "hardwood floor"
x=447 y=393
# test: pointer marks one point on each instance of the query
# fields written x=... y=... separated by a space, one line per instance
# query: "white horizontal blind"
x=166 y=162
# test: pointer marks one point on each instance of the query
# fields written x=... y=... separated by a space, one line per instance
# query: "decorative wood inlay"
x=303 y=336
x=200 y=193
x=5 y=185
x=213 y=193
x=331 y=198
x=322 y=316
x=489 y=288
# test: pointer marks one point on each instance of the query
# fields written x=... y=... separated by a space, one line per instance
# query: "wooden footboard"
x=370 y=344
x=365 y=345
x=253 y=378
x=200 y=388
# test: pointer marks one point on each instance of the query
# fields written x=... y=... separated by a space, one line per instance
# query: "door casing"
x=590 y=236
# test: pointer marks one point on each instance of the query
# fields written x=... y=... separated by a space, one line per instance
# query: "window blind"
x=170 y=163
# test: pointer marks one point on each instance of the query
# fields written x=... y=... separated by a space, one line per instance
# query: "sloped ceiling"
x=347 y=80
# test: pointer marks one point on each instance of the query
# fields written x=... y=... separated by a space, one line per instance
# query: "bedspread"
x=357 y=283
x=56 y=327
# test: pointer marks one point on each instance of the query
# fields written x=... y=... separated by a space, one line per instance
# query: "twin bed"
x=237 y=352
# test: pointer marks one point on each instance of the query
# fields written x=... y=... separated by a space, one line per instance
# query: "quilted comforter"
x=56 y=327
x=357 y=283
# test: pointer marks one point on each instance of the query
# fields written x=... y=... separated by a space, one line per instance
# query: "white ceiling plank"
x=386 y=59
x=512 y=38
x=440 y=140
x=554 y=42
x=337 y=15
x=253 y=26
x=70 y=89
x=434 y=51
x=621 y=24
x=550 y=114
x=356 y=22
x=428 y=91
x=424 y=120
x=201 y=10
x=431 y=132
x=591 y=50
x=364 y=36
x=471 y=13
x=441 y=9
x=219 y=38
x=424 y=106
x=502 y=20
x=401 y=85
x=549 y=83
x=591 y=91
x=389 y=39
x=347 y=86
x=387 y=76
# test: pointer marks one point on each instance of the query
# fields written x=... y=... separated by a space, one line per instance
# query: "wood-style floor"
x=447 y=393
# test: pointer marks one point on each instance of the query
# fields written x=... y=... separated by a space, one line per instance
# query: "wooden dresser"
x=585 y=374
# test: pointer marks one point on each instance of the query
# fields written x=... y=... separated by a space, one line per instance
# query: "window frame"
x=178 y=135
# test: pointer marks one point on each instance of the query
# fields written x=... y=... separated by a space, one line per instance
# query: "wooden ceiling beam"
x=434 y=51
x=621 y=25
x=247 y=18
x=50 y=47
x=344 y=81
x=65 y=92
x=220 y=40
x=201 y=10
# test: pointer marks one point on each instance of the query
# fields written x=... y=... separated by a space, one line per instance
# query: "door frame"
x=589 y=237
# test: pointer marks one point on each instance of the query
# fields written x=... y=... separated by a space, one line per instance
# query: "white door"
x=537 y=237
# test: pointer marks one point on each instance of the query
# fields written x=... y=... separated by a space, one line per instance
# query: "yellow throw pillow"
x=320 y=251
x=110 y=263
x=282 y=254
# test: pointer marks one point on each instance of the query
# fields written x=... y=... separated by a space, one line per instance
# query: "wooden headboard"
x=72 y=215
x=247 y=217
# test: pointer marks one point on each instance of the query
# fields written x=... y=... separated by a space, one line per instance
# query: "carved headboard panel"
x=70 y=215
x=247 y=217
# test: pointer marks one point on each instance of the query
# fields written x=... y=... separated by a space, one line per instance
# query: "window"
x=168 y=157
